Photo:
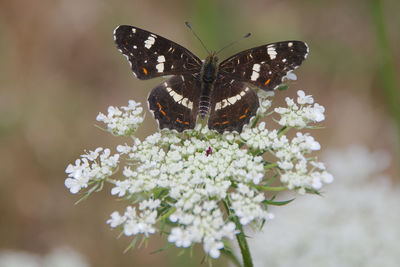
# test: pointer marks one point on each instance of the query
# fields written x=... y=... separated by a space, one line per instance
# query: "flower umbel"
x=197 y=185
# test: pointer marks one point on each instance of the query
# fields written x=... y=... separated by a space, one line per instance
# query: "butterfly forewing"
x=151 y=55
x=175 y=102
x=265 y=66
x=233 y=104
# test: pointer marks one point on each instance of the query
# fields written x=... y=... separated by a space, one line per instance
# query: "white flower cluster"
x=292 y=157
x=265 y=101
x=125 y=122
x=197 y=180
x=356 y=223
x=194 y=177
x=92 y=166
x=133 y=223
x=246 y=204
x=204 y=223
x=301 y=114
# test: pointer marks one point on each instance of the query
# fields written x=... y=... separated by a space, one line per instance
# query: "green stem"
x=244 y=248
x=387 y=70
x=166 y=215
x=271 y=188
x=241 y=238
x=270 y=166
x=284 y=130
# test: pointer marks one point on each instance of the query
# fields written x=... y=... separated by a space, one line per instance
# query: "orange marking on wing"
x=215 y=123
x=267 y=82
x=225 y=122
x=144 y=70
x=186 y=122
x=160 y=108
x=242 y=117
x=179 y=121
x=223 y=116
x=247 y=110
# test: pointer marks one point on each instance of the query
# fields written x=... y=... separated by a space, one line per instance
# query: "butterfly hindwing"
x=175 y=102
x=151 y=55
x=233 y=104
x=265 y=66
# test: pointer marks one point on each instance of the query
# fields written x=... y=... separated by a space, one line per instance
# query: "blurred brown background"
x=59 y=67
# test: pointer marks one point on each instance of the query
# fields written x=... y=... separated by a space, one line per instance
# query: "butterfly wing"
x=265 y=66
x=151 y=55
x=233 y=104
x=175 y=102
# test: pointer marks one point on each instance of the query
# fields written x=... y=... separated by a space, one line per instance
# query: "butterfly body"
x=220 y=90
x=208 y=77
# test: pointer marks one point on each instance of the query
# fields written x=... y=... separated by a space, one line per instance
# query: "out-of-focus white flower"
x=64 y=257
x=59 y=257
x=355 y=223
x=356 y=162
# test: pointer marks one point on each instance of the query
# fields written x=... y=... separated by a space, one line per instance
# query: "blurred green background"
x=59 y=67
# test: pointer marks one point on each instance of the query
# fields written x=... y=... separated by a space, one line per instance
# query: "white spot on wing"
x=149 y=42
x=224 y=103
x=184 y=101
x=133 y=30
x=271 y=52
x=161 y=59
x=290 y=44
x=160 y=67
x=308 y=50
x=231 y=100
x=256 y=67
x=255 y=74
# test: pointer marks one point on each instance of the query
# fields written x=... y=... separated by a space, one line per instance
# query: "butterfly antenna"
x=190 y=27
x=234 y=42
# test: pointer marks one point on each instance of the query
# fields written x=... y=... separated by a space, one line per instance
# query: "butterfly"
x=221 y=91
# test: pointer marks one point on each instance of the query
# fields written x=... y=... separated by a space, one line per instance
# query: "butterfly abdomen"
x=208 y=76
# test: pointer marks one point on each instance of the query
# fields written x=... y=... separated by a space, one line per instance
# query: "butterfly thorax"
x=209 y=71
